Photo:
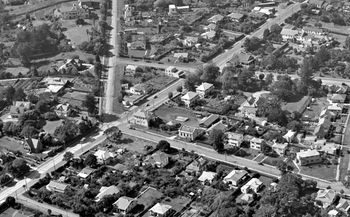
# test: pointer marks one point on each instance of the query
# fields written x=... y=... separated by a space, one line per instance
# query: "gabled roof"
x=235 y=175
x=256 y=140
x=210 y=120
x=308 y=153
x=326 y=196
x=160 y=208
x=57 y=185
x=338 y=97
x=216 y=18
x=236 y=16
x=235 y=136
x=189 y=95
x=204 y=86
x=84 y=173
x=104 y=191
x=33 y=143
x=187 y=129
x=343 y=205
x=141 y=114
x=103 y=154
x=123 y=202
x=160 y=157
x=22 y=104
x=63 y=107
x=280 y=145
x=207 y=176
x=218 y=126
x=289 y=32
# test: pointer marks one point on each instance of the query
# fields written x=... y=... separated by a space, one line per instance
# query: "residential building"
x=280 y=148
x=62 y=110
x=255 y=143
x=335 y=108
x=253 y=186
x=317 y=3
x=338 y=98
x=86 y=172
x=103 y=155
x=309 y=140
x=189 y=133
x=290 y=135
x=242 y=59
x=210 y=35
x=289 y=34
x=138 y=89
x=72 y=13
x=326 y=197
x=236 y=17
x=343 y=205
x=333 y=213
x=210 y=27
x=190 y=41
x=189 y=98
x=159 y=159
x=235 y=177
x=234 y=139
x=92 y=4
x=141 y=118
x=308 y=157
x=104 y=191
x=209 y=121
x=330 y=148
x=173 y=9
x=215 y=19
x=313 y=30
x=125 y=204
x=173 y=72
x=56 y=186
x=322 y=128
x=33 y=145
x=160 y=210
x=204 y=89
x=131 y=69
x=207 y=176
x=196 y=165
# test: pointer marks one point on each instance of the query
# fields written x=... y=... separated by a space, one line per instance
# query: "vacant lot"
x=77 y=34
x=51 y=126
x=135 y=144
x=169 y=113
x=326 y=172
x=11 y=144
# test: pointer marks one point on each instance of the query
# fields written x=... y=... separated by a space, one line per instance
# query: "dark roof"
x=212 y=119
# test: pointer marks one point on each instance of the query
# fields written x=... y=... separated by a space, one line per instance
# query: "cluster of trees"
x=273 y=34
x=207 y=73
x=276 y=61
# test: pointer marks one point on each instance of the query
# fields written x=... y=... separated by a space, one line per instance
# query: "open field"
x=272 y=161
x=135 y=144
x=170 y=113
x=51 y=126
x=77 y=34
x=326 y=172
x=11 y=144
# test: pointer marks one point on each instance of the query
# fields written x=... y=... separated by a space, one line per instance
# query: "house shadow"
x=107 y=118
x=126 y=141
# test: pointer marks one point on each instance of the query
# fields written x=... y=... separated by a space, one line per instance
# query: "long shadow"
x=126 y=141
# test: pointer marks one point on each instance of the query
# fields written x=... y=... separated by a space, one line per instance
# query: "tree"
x=9 y=93
x=1 y=126
x=90 y=104
x=19 y=95
x=284 y=167
x=10 y=201
x=42 y=106
x=266 y=33
x=210 y=73
x=275 y=28
x=179 y=89
x=229 y=78
x=4 y=179
x=114 y=134
x=170 y=95
x=67 y=131
x=306 y=71
x=216 y=137
x=90 y=160
x=68 y=156
x=28 y=131
x=161 y=4
x=163 y=146
x=18 y=168
x=32 y=98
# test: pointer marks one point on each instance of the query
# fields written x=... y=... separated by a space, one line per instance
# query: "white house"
x=204 y=89
x=308 y=157
x=188 y=132
x=255 y=143
x=234 y=139
x=141 y=118
x=207 y=176
x=235 y=177
x=173 y=72
x=131 y=69
x=190 y=41
x=253 y=186
x=289 y=34
x=160 y=210
x=103 y=155
x=189 y=98
x=289 y=136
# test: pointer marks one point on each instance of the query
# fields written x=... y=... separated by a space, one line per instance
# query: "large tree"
x=216 y=137
x=114 y=134
x=90 y=104
x=163 y=146
x=210 y=73
x=67 y=131
x=18 y=168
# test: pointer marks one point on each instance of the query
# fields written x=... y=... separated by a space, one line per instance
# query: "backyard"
x=170 y=113
x=322 y=171
x=51 y=126
x=11 y=144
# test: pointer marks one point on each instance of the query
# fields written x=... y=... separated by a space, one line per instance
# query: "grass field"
x=149 y=197
x=170 y=113
x=135 y=144
x=51 y=126
x=77 y=34
x=327 y=172
x=272 y=161
x=11 y=144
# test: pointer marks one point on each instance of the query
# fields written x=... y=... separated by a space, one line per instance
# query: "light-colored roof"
x=326 y=195
x=210 y=34
x=141 y=114
x=131 y=67
x=235 y=175
x=84 y=173
x=103 y=154
x=189 y=95
x=334 y=107
x=333 y=212
x=312 y=29
x=57 y=185
x=343 y=205
x=63 y=107
x=280 y=145
x=289 y=134
x=256 y=140
x=340 y=97
x=123 y=202
x=289 y=32
x=235 y=15
x=218 y=126
x=187 y=129
x=204 y=86
x=216 y=18
x=207 y=175
x=183 y=55
x=254 y=183
x=160 y=208
x=54 y=88
x=308 y=153
x=234 y=136
x=22 y=104
x=104 y=191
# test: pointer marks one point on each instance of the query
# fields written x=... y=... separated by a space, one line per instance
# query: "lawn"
x=135 y=144
x=247 y=153
x=170 y=113
x=16 y=70
x=149 y=197
x=13 y=212
x=272 y=161
x=177 y=203
x=51 y=126
x=327 y=172
x=11 y=144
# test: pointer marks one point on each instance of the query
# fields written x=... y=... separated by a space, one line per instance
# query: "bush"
x=51 y=116
x=80 y=22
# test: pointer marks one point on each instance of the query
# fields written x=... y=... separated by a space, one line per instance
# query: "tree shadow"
x=107 y=118
x=34 y=175
x=137 y=209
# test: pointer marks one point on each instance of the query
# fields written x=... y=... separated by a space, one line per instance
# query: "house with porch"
x=204 y=89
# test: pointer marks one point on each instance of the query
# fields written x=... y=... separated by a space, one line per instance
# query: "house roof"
x=216 y=18
x=235 y=15
x=333 y=212
x=243 y=58
x=63 y=107
x=308 y=153
x=204 y=86
x=57 y=185
x=189 y=95
x=234 y=136
x=312 y=29
x=84 y=173
x=210 y=34
x=120 y=167
x=211 y=119
x=160 y=208
x=160 y=157
x=335 y=107
x=280 y=145
x=123 y=202
x=207 y=176
x=187 y=129
x=289 y=32
x=141 y=114
x=196 y=164
x=210 y=26
x=256 y=140
x=289 y=134
x=104 y=191
x=192 y=39
x=131 y=67
x=218 y=126
x=103 y=154
x=182 y=55
x=22 y=104
x=236 y=175
x=338 y=97
x=343 y=205
x=326 y=195
x=33 y=143
x=254 y=183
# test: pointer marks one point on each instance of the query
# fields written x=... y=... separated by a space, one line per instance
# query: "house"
x=189 y=133
x=196 y=165
x=338 y=98
x=255 y=143
x=56 y=186
x=209 y=35
x=218 y=126
x=173 y=72
x=290 y=135
x=308 y=157
x=253 y=186
x=138 y=89
x=72 y=13
x=343 y=205
x=207 y=176
x=330 y=148
x=92 y=4
x=138 y=42
x=209 y=121
x=215 y=19
x=141 y=118
x=189 y=98
x=160 y=210
x=313 y=30
x=317 y=3
x=181 y=56
x=235 y=177
x=242 y=59
x=190 y=41
x=325 y=197
x=335 y=108
x=62 y=110
x=289 y=34
x=236 y=17
x=131 y=69
x=309 y=140
x=322 y=128
x=104 y=191
x=333 y=213
x=210 y=27
x=103 y=155
x=159 y=159
x=125 y=204
x=172 y=9
x=280 y=148
x=204 y=89
x=86 y=172
x=234 y=139
x=33 y=145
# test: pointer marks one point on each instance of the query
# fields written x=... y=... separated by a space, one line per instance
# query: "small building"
x=313 y=30
x=289 y=34
x=209 y=121
x=343 y=205
x=159 y=159
x=255 y=143
x=86 y=172
x=290 y=135
x=234 y=139
x=235 y=177
x=189 y=133
x=326 y=197
x=308 y=157
x=190 y=41
x=204 y=89
x=333 y=213
x=173 y=72
x=138 y=89
x=207 y=176
x=236 y=17
x=280 y=148
x=309 y=140
x=218 y=126
x=243 y=59
x=104 y=191
x=91 y=4
x=338 y=98
x=209 y=35
x=103 y=155
x=160 y=210
x=33 y=145
x=62 y=110
x=210 y=27
x=125 y=204
x=131 y=69
x=253 y=186
x=330 y=148
x=19 y=108
x=215 y=19
x=322 y=128
x=56 y=186
x=196 y=165
x=189 y=98
x=317 y=3
x=141 y=118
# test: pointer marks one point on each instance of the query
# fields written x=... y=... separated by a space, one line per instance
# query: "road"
x=281 y=15
x=115 y=70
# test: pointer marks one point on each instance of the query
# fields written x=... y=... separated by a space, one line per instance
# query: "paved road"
x=281 y=15
x=115 y=71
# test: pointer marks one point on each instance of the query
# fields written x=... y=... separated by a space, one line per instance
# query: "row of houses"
x=308 y=36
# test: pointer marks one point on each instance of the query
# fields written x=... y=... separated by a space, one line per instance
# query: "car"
x=147 y=104
x=135 y=60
